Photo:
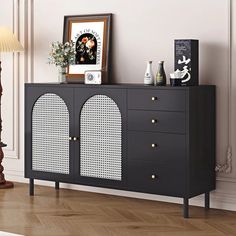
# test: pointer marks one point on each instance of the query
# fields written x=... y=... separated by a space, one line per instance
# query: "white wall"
x=141 y=31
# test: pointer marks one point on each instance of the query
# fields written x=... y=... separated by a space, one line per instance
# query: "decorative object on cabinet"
x=158 y=140
x=175 y=82
x=177 y=77
x=93 y=77
x=62 y=74
x=8 y=43
x=178 y=74
x=62 y=55
x=161 y=75
x=92 y=35
x=187 y=60
x=148 y=76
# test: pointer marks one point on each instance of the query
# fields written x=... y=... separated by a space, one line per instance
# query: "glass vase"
x=62 y=74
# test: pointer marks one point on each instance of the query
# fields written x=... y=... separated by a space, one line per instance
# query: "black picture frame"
x=97 y=32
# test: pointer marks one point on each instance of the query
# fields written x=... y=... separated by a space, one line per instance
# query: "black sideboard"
x=158 y=140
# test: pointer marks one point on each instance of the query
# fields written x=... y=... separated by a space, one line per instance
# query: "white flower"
x=62 y=54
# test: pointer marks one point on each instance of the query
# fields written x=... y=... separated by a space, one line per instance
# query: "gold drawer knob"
x=75 y=138
x=154 y=177
x=154 y=98
x=154 y=121
x=70 y=138
x=154 y=145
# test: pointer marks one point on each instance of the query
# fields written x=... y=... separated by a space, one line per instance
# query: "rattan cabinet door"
x=48 y=147
x=101 y=136
x=50 y=135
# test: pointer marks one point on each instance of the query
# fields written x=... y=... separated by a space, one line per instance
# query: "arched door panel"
x=50 y=135
x=101 y=139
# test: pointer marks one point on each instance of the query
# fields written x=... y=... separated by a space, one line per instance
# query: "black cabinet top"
x=122 y=85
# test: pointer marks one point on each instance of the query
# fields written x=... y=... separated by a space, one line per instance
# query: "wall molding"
x=29 y=35
x=227 y=166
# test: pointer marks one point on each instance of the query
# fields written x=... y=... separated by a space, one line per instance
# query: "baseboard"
x=219 y=199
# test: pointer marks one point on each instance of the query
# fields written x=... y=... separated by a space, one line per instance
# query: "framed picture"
x=92 y=35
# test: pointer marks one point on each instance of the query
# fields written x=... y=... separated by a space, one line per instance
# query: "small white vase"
x=62 y=74
x=149 y=77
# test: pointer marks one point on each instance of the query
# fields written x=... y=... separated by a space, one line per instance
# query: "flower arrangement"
x=61 y=54
x=86 y=48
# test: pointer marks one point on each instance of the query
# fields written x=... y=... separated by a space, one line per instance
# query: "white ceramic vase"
x=148 y=77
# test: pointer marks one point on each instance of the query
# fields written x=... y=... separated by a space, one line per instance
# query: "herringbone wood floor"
x=68 y=212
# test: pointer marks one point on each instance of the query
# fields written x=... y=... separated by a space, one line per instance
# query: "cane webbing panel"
x=50 y=135
x=100 y=139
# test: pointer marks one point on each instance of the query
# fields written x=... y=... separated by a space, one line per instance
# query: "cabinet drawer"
x=154 y=178
x=157 y=121
x=157 y=147
x=154 y=99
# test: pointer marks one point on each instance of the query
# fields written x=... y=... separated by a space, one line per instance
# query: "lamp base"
x=7 y=184
x=3 y=183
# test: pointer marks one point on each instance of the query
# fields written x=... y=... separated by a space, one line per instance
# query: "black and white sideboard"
x=158 y=140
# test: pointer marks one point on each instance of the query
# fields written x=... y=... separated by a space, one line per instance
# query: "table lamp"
x=8 y=43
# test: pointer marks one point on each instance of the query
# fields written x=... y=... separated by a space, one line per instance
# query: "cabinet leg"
x=31 y=187
x=186 y=208
x=207 y=200
x=57 y=185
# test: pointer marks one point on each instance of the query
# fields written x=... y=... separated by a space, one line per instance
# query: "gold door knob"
x=153 y=176
x=75 y=138
x=70 y=138
x=154 y=121
x=154 y=98
x=154 y=145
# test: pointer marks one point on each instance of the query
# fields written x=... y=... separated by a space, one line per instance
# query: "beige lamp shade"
x=8 y=41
